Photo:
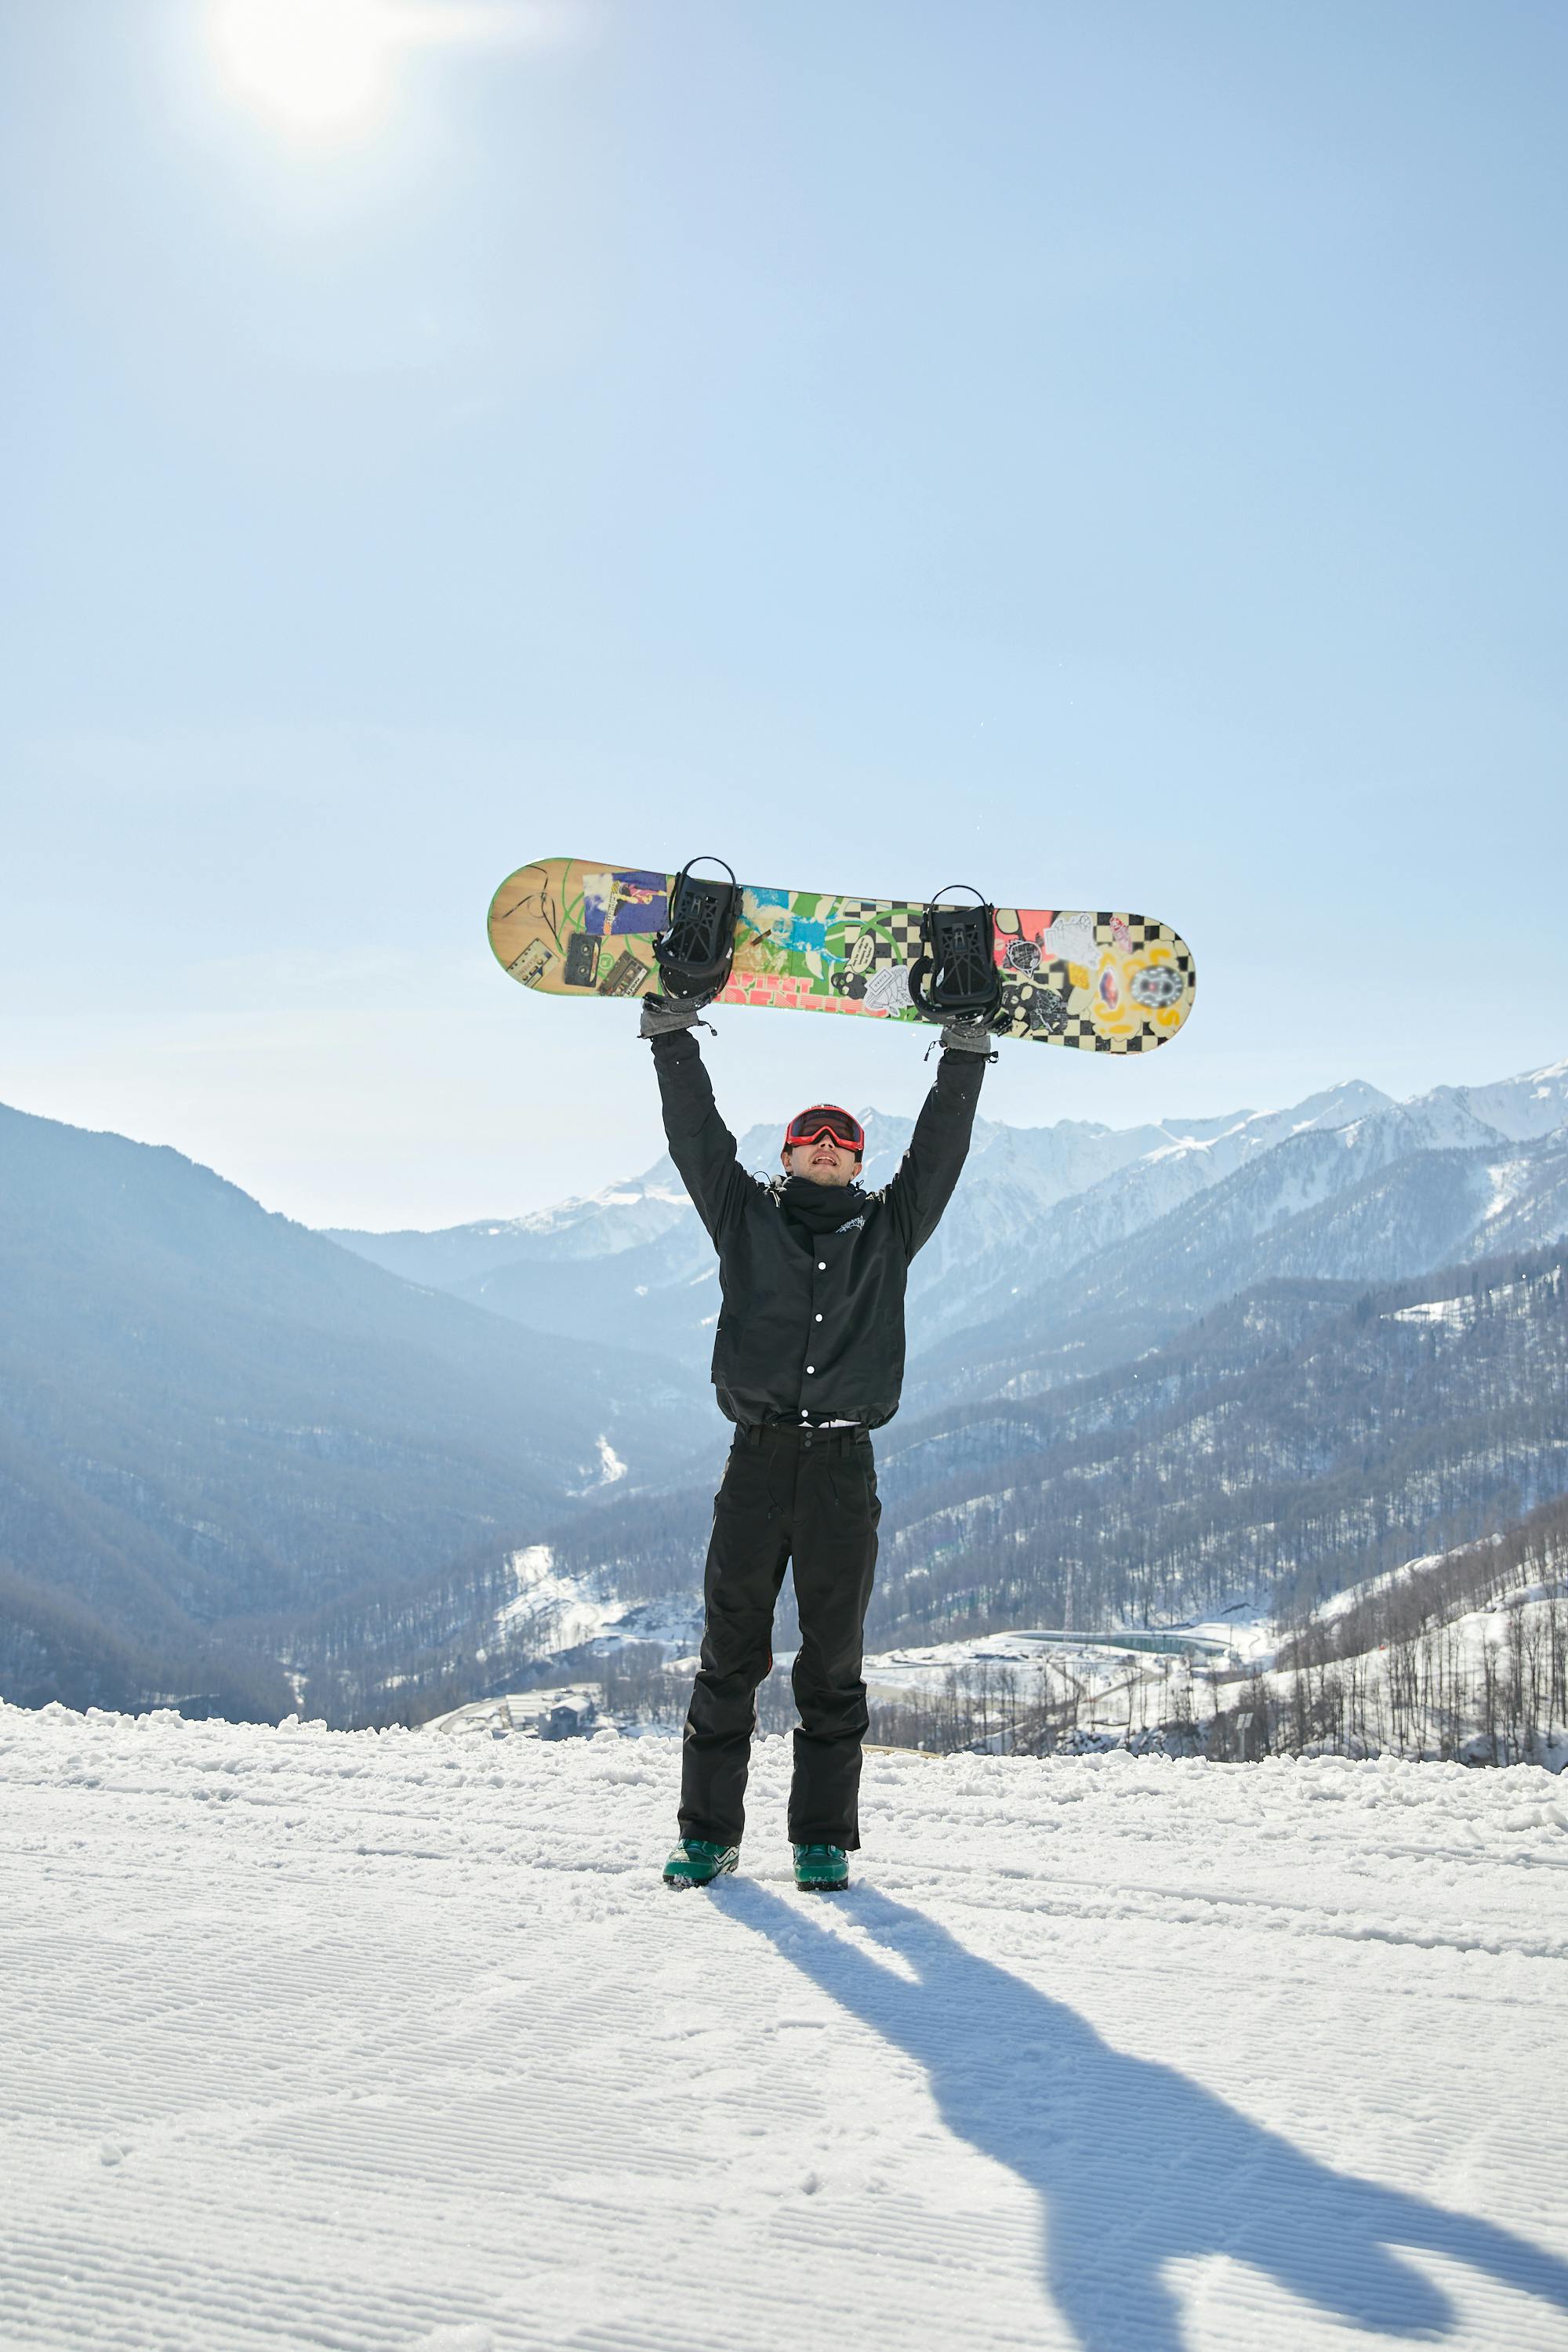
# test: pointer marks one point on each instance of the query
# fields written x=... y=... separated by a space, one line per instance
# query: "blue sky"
x=1111 y=453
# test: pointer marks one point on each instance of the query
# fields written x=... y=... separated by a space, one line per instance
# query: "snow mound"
x=387 y=2041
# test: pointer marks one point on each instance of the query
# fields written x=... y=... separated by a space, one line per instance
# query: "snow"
x=907 y=1668
x=1453 y=1657
x=1461 y=1311
x=1352 y=1595
x=1508 y=1180
x=1249 y=1631
x=391 y=2043
x=1456 y=1312
x=558 y=1611
x=1123 y=1684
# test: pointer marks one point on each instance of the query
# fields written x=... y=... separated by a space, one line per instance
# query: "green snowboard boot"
x=694 y=1861
x=821 y=1869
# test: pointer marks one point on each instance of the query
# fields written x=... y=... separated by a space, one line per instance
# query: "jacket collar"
x=820 y=1208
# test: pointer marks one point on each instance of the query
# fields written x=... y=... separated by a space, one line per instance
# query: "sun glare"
x=326 y=67
x=313 y=65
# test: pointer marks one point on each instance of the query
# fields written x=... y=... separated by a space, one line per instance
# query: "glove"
x=662 y=1015
x=966 y=1033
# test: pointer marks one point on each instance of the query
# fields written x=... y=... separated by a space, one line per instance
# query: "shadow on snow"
x=1135 y=2167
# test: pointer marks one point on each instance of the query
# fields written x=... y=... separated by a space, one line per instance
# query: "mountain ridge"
x=1035 y=1205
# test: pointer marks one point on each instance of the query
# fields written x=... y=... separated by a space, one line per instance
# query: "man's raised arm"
x=939 y=1145
x=701 y=1145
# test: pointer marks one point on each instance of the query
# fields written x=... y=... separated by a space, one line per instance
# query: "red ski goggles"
x=826 y=1118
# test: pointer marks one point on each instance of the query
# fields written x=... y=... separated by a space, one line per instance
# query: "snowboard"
x=1101 y=984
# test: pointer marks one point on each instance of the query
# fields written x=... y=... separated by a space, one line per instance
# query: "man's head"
x=824 y=1144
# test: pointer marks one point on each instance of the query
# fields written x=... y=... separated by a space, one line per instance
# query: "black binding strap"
x=956 y=969
x=694 y=952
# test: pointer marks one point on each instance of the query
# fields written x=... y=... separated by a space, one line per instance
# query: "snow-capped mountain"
x=619 y=1218
x=1104 y=1207
x=1521 y=1108
x=1351 y=1205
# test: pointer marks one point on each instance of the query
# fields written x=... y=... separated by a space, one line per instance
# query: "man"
x=807 y=1361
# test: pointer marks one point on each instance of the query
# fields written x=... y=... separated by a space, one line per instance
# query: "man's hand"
x=662 y=1015
x=966 y=1033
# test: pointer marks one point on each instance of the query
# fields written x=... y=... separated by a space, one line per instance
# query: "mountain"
x=617 y=1219
x=1201 y=1219
x=1301 y=1437
x=1091 y=1241
x=239 y=1461
x=635 y=1259
x=1354 y=1205
x=212 y=1419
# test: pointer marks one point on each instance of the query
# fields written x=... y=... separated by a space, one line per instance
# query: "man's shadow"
x=1134 y=2166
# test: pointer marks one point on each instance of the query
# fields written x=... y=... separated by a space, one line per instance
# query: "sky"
x=1109 y=454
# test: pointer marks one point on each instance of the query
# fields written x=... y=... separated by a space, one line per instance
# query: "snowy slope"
x=394 y=2044
x=1386 y=1698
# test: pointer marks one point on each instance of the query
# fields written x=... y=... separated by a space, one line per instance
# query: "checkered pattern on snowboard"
x=895 y=929
x=1143 y=933
x=1078 y=1032
x=1081 y=1033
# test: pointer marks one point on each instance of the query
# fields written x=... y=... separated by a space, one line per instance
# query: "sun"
x=314 y=66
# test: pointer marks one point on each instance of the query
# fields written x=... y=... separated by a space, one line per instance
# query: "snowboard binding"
x=695 y=950
x=955 y=973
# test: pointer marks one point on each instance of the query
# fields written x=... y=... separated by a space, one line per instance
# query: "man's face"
x=824 y=1162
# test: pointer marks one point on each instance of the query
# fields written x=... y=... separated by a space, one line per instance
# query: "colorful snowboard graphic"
x=1103 y=983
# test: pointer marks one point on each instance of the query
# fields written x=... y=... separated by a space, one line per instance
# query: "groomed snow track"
x=395 y=2043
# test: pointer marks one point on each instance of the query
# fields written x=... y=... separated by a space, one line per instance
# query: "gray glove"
x=966 y=1033
x=662 y=1015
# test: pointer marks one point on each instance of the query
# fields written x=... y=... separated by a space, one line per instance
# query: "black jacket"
x=812 y=1322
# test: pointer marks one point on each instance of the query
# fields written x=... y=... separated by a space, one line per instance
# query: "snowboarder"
x=807 y=1361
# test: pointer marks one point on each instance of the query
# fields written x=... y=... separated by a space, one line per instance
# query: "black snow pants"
x=810 y=1495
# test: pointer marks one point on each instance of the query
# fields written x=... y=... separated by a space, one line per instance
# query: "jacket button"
x=811 y=1368
x=819 y=1318
x=822 y=1266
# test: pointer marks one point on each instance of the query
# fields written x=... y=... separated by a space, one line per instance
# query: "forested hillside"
x=1298 y=1439
x=1301 y=1438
